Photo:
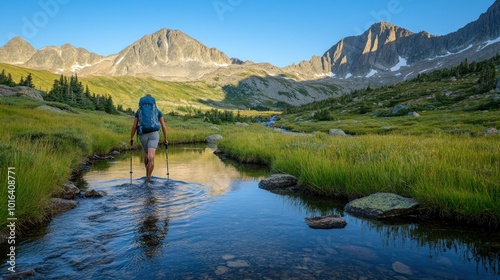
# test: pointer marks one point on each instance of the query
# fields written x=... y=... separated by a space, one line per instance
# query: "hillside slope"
x=457 y=100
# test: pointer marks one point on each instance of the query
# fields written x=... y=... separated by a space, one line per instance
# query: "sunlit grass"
x=455 y=176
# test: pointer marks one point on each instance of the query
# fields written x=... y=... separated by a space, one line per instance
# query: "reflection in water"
x=481 y=248
x=477 y=247
x=211 y=221
x=193 y=163
x=153 y=227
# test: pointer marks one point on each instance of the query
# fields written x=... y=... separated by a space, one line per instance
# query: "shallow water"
x=209 y=220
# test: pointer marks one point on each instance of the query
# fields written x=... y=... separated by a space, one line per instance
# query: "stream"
x=209 y=220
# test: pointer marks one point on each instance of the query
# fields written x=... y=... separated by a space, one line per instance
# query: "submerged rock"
x=237 y=264
x=20 y=275
x=95 y=194
x=326 y=222
x=382 y=206
x=401 y=268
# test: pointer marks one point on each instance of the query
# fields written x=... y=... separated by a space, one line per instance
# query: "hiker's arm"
x=134 y=128
x=164 y=129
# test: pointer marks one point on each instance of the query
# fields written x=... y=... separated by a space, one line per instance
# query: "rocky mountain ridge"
x=388 y=53
x=168 y=54
x=383 y=54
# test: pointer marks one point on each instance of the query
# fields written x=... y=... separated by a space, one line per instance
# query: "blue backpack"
x=147 y=115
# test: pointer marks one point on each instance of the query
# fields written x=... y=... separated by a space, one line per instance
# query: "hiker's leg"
x=144 y=141
x=150 y=162
x=150 y=143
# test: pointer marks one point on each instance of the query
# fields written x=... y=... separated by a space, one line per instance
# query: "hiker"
x=147 y=122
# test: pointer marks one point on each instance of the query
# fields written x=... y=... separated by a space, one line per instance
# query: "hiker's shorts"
x=149 y=140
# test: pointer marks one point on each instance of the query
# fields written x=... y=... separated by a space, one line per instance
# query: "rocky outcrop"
x=326 y=222
x=21 y=91
x=382 y=206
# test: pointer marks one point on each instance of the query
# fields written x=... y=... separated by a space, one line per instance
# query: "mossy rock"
x=382 y=206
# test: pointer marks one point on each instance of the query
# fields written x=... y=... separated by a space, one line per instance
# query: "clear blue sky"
x=281 y=32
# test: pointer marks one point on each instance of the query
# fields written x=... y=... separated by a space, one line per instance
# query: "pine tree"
x=10 y=82
x=109 y=107
x=3 y=77
x=29 y=81
x=487 y=79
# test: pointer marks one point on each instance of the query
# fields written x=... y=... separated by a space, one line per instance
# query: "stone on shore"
x=60 y=205
x=70 y=191
x=213 y=138
x=382 y=206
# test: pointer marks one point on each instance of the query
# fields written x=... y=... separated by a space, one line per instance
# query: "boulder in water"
x=382 y=206
x=95 y=194
x=278 y=181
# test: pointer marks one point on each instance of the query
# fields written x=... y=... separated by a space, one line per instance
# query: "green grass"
x=45 y=148
x=127 y=90
x=455 y=176
x=429 y=122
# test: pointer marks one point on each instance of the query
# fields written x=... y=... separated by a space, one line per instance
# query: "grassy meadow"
x=46 y=147
x=450 y=175
x=127 y=90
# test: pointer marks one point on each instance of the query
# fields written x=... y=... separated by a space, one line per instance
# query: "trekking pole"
x=166 y=150
x=131 y=144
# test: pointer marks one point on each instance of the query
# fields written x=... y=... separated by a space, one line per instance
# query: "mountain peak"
x=382 y=27
x=16 y=51
x=168 y=52
x=385 y=50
